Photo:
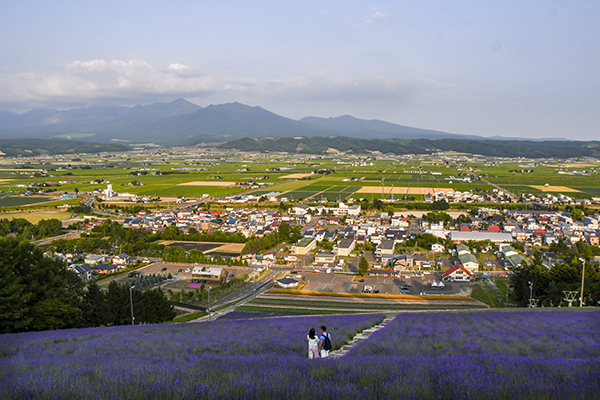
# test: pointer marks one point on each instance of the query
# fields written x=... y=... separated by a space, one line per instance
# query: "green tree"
x=14 y=312
x=45 y=293
x=577 y=214
x=94 y=306
x=363 y=266
x=440 y=205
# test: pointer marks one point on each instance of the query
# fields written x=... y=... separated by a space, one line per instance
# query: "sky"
x=507 y=68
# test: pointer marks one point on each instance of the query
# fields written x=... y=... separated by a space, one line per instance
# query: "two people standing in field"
x=318 y=346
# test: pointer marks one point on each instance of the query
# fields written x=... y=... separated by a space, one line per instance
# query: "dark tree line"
x=113 y=307
x=285 y=233
x=549 y=285
x=110 y=236
x=179 y=255
x=40 y=293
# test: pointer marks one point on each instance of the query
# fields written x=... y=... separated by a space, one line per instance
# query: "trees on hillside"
x=22 y=227
x=548 y=286
x=37 y=292
x=40 y=293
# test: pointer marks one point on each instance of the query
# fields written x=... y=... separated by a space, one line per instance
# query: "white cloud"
x=324 y=86
x=116 y=82
x=378 y=16
x=89 y=81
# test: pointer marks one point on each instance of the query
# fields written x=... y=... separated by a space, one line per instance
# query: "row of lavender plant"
x=117 y=361
x=495 y=355
x=492 y=354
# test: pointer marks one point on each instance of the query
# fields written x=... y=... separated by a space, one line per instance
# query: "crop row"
x=522 y=354
x=332 y=305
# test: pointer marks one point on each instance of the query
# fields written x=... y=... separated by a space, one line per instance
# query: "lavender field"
x=477 y=354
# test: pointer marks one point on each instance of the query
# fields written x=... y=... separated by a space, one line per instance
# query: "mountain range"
x=183 y=123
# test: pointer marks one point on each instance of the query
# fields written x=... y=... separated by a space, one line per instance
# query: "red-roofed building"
x=495 y=229
x=457 y=273
x=464 y=228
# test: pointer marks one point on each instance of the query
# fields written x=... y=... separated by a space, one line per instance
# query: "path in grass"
x=364 y=335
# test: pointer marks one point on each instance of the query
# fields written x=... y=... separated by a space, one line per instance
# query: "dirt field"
x=573 y=165
x=295 y=176
x=35 y=217
x=229 y=248
x=208 y=183
x=401 y=190
x=207 y=247
x=555 y=189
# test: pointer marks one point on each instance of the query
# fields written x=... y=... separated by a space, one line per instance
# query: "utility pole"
x=507 y=282
x=582 y=280
x=530 y=294
x=208 y=309
x=131 y=302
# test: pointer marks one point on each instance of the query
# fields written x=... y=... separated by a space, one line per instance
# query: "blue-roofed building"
x=84 y=271
x=287 y=283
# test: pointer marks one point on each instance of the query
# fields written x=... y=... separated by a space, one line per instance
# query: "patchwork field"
x=303 y=302
x=295 y=176
x=561 y=189
x=401 y=190
x=16 y=201
x=208 y=183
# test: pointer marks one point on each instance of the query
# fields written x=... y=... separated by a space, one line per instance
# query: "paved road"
x=241 y=297
x=70 y=235
x=500 y=188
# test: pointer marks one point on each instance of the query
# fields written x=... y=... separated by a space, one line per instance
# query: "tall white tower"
x=108 y=192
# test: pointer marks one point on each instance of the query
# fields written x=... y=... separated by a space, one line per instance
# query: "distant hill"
x=347 y=125
x=504 y=148
x=181 y=122
x=29 y=147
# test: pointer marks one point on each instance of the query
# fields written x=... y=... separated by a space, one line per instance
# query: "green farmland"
x=170 y=175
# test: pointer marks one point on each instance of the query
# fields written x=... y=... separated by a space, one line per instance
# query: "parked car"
x=164 y=269
x=187 y=270
x=361 y=280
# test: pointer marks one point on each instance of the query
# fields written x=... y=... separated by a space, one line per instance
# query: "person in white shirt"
x=313 y=344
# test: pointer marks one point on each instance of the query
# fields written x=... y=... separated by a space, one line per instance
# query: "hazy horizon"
x=511 y=69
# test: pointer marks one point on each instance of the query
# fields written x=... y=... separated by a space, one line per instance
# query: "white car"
x=187 y=270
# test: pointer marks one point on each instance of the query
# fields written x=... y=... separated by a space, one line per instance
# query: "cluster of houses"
x=501 y=228
x=531 y=227
x=98 y=264
x=547 y=199
x=472 y=196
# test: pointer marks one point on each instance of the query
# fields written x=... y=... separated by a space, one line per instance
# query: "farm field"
x=35 y=217
x=544 y=178
x=15 y=201
x=525 y=354
x=208 y=247
x=304 y=302
x=192 y=176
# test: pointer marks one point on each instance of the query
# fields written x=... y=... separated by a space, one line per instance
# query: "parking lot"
x=419 y=284
x=184 y=271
